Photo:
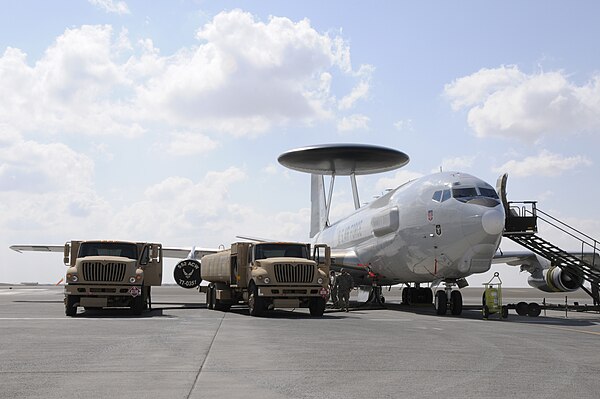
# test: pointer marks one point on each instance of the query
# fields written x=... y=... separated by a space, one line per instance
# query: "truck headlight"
x=72 y=278
x=267 y=280
x=132 y=280
x=320 y=280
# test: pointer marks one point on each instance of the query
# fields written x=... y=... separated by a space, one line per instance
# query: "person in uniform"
x=333 y=288
x=344 y=283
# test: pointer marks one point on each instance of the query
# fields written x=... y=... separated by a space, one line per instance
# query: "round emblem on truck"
x=134 y=291
x=187 y=273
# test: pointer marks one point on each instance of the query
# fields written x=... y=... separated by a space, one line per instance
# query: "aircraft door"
x=501 y=190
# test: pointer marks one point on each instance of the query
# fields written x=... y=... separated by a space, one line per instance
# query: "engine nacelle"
x=555 y=279
x=187 y=273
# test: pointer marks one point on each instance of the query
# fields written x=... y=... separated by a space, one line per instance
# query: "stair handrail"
x=593 y=244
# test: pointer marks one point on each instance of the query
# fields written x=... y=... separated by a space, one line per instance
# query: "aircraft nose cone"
x=493 y=222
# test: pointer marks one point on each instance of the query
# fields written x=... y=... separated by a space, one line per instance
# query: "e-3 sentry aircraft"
x=437 y=229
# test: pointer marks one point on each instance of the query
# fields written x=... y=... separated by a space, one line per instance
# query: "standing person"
x=344 y=283
x=333 y=289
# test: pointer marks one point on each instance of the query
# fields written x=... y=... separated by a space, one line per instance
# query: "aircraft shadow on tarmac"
x=474 y=313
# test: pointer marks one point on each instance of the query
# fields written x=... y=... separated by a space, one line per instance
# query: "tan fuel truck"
x=111 y=274
x=268 y=275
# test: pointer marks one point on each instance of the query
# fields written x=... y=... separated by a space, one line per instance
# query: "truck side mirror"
x=67 y=254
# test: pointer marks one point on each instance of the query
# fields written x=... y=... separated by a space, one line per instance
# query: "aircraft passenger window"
x=488 y=192
x=437 y=196
x=445 y=195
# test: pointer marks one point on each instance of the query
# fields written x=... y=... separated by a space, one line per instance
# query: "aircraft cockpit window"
x=445 y=195
x=441 y=195
x=488 y=192
x=464 y=192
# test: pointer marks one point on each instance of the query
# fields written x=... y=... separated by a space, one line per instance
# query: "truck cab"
x=267 y=275
x=104 y=274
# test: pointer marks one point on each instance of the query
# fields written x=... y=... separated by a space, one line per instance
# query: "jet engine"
x=555 y=279
x=187 y=273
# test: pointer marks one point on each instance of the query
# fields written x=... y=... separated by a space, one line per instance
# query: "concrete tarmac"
x=182 y=350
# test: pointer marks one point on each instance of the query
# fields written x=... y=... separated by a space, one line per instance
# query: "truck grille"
x=292 y=273
x=98 y=271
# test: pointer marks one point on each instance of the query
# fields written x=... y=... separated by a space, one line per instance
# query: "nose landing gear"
x=448 y=299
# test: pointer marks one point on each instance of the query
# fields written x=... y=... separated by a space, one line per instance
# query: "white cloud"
x=457 y=163
x=110 y=6
x=245 y=77
x=358 y=92
x=404 y=125
x=399 y=178
x=190 y=144
x=353 y=122
x=506 y=102
x=544 y=164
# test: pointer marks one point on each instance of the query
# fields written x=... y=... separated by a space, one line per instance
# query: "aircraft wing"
x=38 y=248
x=532 y=262
x=187 y=253
x=168 y=252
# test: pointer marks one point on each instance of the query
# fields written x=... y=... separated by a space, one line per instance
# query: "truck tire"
x=210 y=296
x=317 y=306
x=256 y=305
x=137 y=304
x=70 y=305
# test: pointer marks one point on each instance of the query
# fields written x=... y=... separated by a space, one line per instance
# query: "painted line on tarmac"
x=574 y=330
x=81 y=318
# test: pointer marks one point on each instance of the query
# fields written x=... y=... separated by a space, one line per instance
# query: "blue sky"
x=163 y=120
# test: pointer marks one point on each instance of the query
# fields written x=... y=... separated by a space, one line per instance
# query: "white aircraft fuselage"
x=444 y=226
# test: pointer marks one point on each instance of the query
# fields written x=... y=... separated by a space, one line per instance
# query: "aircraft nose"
x=493 y=222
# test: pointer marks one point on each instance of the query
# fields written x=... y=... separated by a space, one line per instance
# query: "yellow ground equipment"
x=492 y=298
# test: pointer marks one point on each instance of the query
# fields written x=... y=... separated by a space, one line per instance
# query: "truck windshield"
x=122 y=249
x=264 y=251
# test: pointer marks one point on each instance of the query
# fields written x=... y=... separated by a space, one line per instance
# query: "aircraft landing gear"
x=417 y=295
x=448 y=299
x=375 y=296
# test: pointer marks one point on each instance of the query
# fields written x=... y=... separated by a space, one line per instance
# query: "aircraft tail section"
x=318 y=214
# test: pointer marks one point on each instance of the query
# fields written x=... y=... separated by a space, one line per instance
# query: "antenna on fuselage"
x=339 y=160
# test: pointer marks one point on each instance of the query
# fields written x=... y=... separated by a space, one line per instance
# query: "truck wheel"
x=210 y=296
x=256 y=304
x=70 y=306
x=137 y=304
x=317 y=306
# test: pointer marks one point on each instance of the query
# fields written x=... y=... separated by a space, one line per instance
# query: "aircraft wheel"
x=504 y=312
x=317 y=306
x=522 y=308
x=441 y=303
x=456 y=303
x=70 y=306
x=533 y=310
x=407 y=296
x=428 y=295
x=382 y=299
x=255 y=303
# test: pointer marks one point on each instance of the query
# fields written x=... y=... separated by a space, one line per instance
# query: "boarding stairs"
x=521 y=227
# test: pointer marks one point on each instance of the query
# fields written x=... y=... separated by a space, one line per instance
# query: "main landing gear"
x=445 y=300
